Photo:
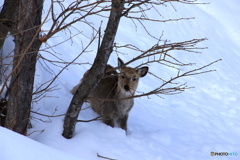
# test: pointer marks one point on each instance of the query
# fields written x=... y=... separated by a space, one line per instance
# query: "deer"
x=112 y=98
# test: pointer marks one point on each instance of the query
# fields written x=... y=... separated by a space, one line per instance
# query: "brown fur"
x=111 y=98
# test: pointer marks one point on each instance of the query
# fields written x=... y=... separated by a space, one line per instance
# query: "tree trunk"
x=27 y=21
x=97 y=70
x=6 y=20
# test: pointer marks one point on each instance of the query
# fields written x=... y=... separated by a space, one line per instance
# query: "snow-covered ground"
x=187 y=126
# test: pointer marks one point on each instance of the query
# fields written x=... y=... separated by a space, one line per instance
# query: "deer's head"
x=129 y=77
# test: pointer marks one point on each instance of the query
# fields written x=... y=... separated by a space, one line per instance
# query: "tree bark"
x=27 y=21
x=97 y=70
x=6 y=20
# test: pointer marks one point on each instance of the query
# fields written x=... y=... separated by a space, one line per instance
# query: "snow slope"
x=187 y=126
x=16 y=146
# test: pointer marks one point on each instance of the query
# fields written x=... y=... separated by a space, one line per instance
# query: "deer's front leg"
x=122 y=122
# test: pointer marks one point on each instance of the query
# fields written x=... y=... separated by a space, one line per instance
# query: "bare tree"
x=96 y=72
x=23 y=20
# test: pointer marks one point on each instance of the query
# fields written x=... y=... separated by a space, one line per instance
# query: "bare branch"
x=94 y=119
x=105 y=157
x=51 y=82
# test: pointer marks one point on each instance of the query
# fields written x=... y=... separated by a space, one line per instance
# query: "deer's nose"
x=126 y=87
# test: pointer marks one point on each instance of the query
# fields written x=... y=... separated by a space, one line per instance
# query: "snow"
x=16 y=146
x=187 y=126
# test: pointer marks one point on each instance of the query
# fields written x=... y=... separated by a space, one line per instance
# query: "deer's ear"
x=142 y=71
x=120 y=64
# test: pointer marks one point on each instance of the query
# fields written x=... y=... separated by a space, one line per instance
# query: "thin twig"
x=105 y=157
x=51 y=116
x=94 y=119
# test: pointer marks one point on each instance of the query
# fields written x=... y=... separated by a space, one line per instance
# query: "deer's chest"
x=124 y=106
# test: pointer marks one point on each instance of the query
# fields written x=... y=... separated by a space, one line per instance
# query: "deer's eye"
x=134 y=79
x=123 y=76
